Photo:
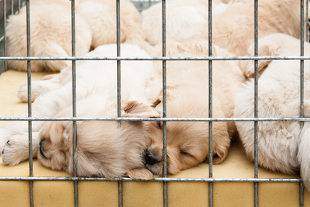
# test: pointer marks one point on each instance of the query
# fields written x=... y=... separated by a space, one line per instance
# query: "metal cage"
x=12 y=6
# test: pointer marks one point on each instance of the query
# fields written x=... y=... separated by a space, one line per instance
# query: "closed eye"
x=187 y=154
x=41 y=148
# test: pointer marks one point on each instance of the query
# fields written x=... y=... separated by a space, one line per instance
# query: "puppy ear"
x=137 y=109
x=219 y=155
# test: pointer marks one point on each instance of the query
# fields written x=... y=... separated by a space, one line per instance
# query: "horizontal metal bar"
x=69 y=58
x=154 y=119
x=230 y=180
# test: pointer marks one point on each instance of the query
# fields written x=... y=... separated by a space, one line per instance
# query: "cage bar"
x=29 y=108
x=74 y=124
x=170 y=58
x=302 y=71
x=119 y=89
x=164 y=87
x=256 y=194
x=210 y=123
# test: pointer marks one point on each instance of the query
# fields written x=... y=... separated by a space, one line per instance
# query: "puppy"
x=94 y=78
x=181 y=14
x=234 y=28
x=101 y=16
x=50 y=35
x=283 y=145
x=187 y=97
x=106 y=149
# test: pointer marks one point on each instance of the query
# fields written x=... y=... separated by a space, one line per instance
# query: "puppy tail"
x=304 y=155
x=54 y=50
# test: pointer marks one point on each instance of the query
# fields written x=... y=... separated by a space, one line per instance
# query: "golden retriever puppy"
x=104 y=148
x=185 y=20
x=283 y=145
x=234 y=28
x=95 y=79
x=187 y=97
x=50 y=35
x=101 y=16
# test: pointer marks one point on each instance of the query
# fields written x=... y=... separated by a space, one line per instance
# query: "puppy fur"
x=95 y=79
x=50 y=35
x=103 y=148
x=187 y=96
x=234 y=28
x=101 y=16
x=181 y=14
x=283 y=146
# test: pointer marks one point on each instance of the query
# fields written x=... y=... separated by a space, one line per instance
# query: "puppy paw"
x=22 y=92
x=15 y=150
x=141 y=173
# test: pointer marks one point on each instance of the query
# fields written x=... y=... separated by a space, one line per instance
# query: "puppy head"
x=187 y=142
x=53 y=146
x=103 y=148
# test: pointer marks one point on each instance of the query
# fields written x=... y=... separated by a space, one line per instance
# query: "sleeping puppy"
x=101 y=17
x=181 y=14
x=95 y=79
x=106 y=149
x=50 y=35
x=234 y=28
x=283 y=145
x=187 y=96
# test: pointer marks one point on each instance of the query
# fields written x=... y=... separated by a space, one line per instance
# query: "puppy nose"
x=150 y=158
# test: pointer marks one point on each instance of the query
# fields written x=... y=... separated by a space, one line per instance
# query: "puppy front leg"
x=39 y=87
x=140 y=173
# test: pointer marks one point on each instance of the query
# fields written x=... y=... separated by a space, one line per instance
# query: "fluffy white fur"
x=283 y=145
x=50 y=35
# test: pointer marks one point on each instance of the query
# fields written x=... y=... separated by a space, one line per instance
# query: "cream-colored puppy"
x=187 y=97
x=101 y=16
x=103 y=148
x=234 y=28
x=96 y=86
x=184 y=20
x=50 y=35
x=283 y=145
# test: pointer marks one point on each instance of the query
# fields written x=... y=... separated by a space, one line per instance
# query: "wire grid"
x=15 y=5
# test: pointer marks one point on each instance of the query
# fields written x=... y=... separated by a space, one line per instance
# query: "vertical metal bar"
x=4 y=32
x=256 y=195
x=119 y=87
x=302 y=68
x=31 y=200
x=210 y=185
x=164 y=85
x=12 y=7
x=19 y=5
x=74 y=124
x=307 y=21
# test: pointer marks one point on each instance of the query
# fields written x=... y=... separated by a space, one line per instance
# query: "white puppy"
x=50 y=35
x=283 y=145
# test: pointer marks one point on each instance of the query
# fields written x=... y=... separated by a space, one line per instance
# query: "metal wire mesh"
x=12 y=6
